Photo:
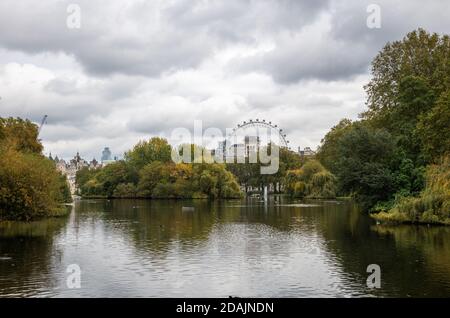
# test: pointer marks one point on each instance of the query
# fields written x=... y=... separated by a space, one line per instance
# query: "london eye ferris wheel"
x=261 y=129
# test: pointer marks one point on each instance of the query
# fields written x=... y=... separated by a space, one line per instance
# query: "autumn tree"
x=145 y=152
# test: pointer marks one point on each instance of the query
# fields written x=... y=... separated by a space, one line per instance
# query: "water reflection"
x=26 y=253
x=282 y=248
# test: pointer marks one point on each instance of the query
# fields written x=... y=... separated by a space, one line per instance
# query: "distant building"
x=94 y=164
x=69 y=169
x=248 y=148
x=252 y=144
x=219 y=152
x=106 y=155
x=306 y=152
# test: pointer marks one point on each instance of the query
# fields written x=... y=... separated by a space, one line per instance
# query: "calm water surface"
x=285 y=248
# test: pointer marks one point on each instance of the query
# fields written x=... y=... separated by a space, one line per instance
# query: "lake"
x=242 y=248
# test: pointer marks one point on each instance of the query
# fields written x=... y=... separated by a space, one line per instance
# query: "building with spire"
x=70 y=168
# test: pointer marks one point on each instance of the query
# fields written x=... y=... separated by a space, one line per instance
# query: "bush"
x=30 y=187
x=312 y=180
x=431 y=206
x=125 y=190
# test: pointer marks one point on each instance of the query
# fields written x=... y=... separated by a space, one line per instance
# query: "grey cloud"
x=397 y=19
x=294 y=62
x=238 y=20
x=347 y=47
x=146 y=39
x=152 y=38
x=62 y=86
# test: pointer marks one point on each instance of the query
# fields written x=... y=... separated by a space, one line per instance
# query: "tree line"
x=148 y=171
x=395 y=159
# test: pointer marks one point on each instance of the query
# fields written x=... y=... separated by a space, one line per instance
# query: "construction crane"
x=44 y=119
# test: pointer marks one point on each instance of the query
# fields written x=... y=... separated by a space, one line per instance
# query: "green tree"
x=145 y=152
x=125 y=190
x=84 y=175
x=328 y=150
x=215 y=181
x=112 y=175
x=249 y=174
x=103 y=182
x=363 y=164
x=151 y=175
x=30 y=187
x=19 y=134
x=433 y=203
x=64 y=189
x=433 y=128
x=311 y=180
x=382 y=158
x=419 y=54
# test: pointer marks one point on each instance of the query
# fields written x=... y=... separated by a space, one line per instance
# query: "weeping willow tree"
x=312 y=180
x=433 y=203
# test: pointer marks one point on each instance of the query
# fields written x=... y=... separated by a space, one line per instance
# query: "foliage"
x=434 y=128
x=409 y=94
x=64 y=190
x=215 y=181
x=83 y=176
x=19 y=134
x=125 y=190
x=152 y=174
x=419 y=54
x=363 y=164
x=431 y=206
x=381 y=159
x=30 y=185
x=196 y=154
x=328 y=152
x=312 y=180
x=249 y=174
x=158 y=179
x=156 y=149
x=103 y=182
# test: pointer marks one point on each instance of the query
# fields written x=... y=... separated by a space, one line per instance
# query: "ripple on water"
x=222 y=251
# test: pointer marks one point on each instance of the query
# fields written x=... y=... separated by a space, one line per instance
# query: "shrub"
x=312 y=180
x=433 y=203
x=30 y=187
x=125 y=190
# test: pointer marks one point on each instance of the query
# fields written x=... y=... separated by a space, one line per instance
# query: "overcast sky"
x=136 y=69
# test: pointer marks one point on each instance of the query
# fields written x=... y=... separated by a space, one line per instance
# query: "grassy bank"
x=432 y=206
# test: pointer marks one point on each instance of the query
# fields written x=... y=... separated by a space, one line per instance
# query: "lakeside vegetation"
x=312 y=180
x=431 y=206
x=30 y=185
x=395 y=160
x=149 y=172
